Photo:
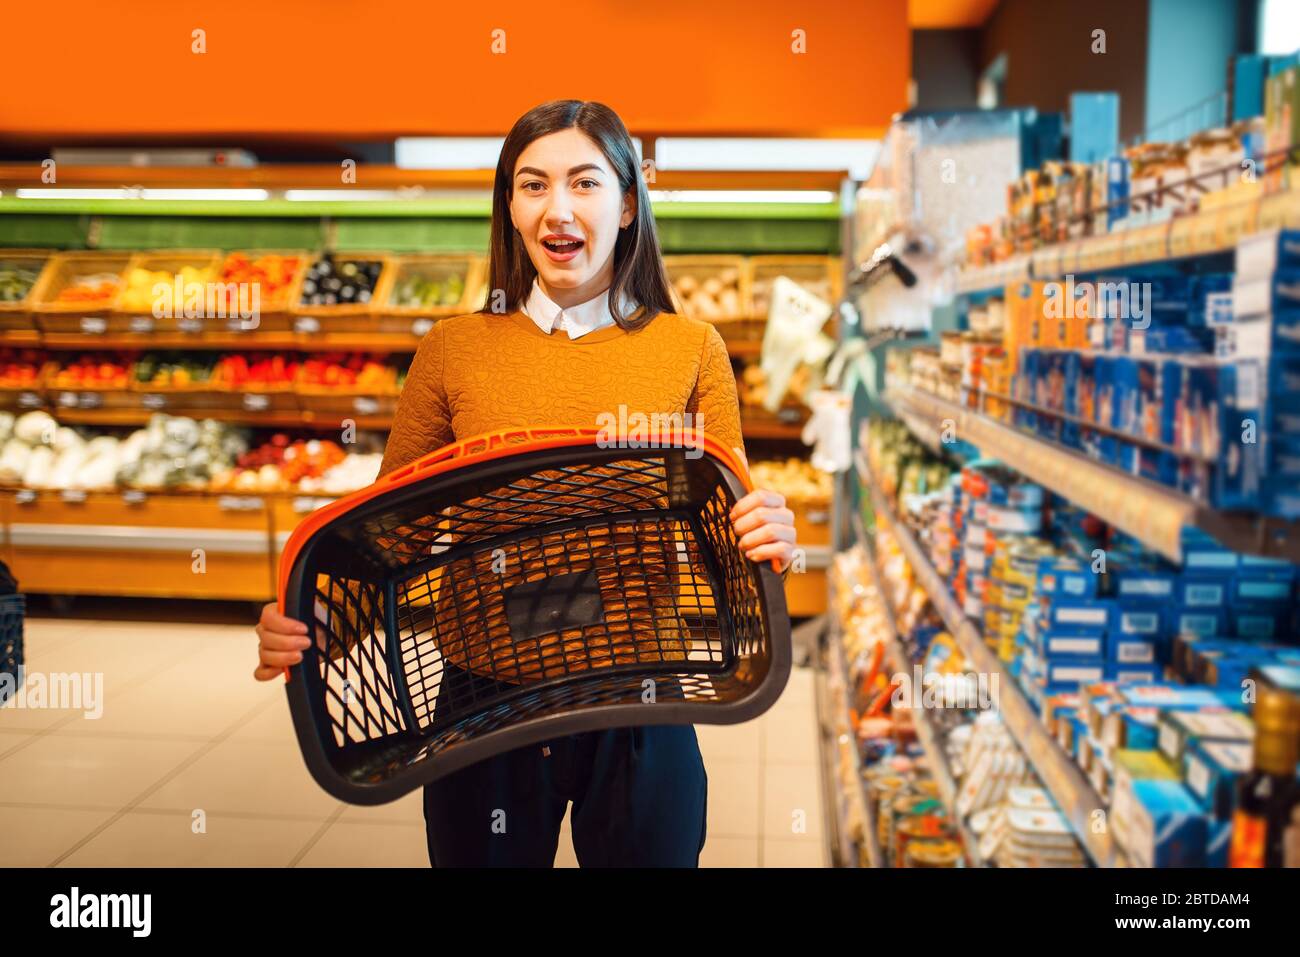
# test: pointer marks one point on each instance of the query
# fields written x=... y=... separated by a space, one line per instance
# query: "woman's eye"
x=585 y=183
x=527 y=186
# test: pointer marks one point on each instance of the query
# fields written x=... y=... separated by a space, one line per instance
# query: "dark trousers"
x=639 y=797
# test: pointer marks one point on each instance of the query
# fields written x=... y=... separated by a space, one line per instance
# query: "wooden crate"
x=62 y=397
x=392 y=318
x=344 y=317
x=275 y=313
x=18 y=315
x=141 y=317
x=163 y=544
x=77 y=317
x=702 y=268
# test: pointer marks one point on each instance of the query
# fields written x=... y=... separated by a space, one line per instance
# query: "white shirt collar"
x=576 y=320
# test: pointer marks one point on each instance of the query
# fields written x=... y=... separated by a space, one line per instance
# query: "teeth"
x=562 y=245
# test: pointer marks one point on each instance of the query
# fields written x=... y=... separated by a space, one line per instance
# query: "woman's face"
x=565 y=202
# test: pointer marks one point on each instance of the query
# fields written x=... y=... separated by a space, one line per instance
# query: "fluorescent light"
x=456 y=152
x=742 y=196
x=180 y=194
x=856 y=157
x=246 y=195
x=333 y=195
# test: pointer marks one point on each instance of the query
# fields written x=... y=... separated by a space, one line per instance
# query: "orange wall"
x=355 y=69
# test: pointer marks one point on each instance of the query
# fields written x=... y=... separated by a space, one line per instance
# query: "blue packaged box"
x=1126 y=673
x=1066 y=577
x=1264 y=587
x=1259 y=619
x=1197 y=621
x=1117 y=186
x=1131 y=728
x=1134 y=650
x=1091 y=616
x=1165 y=825
x=1068 y=673
x=1070 y=645
x=1212 y=770
x=1140 y=618
x=1196 y=590
x=1144 y=583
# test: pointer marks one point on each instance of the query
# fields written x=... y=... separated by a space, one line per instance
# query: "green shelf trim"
x=414 y=208
x=171 y=232
x=45 y=232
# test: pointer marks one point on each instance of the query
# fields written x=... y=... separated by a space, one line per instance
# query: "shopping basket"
x=12 y=614
x=518 y=586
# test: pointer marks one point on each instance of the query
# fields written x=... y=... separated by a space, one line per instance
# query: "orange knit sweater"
x=479 y=373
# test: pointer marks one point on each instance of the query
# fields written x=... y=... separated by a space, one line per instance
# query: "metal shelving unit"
x=1151 y=513
x=1074 y=795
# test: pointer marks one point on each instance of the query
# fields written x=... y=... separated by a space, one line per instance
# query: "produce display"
x=312 y=466
x=94 y=290
x=170 y=452
x=335 y=282
x=161 y=370
x=16 y=280
x=92 y=371
x=425 y=291
x=19 y=368
x=273 y=273
x=164 y=292
x=714 y=296
x=351 y=371
x=796 y=479
x=255 y=371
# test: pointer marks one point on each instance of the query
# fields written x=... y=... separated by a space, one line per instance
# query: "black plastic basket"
x=577 y=587
x=13 y=609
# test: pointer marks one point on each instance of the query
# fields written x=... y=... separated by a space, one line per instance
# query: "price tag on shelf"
x=256 y=402
x=28 y=400
x=421 y=327
x=303 y=504
x=141 y=324
x=67 y=400
x=93 y=325
x=306 y=325
x=235 y=324
x=152 y=400
x=134 y=496
x=239 y=503
x=364 y=405
x=189 y=325
x=73 y=495
x=25 y=496
x=90 y=400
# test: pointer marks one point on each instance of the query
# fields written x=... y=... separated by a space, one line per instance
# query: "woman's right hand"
x=281 y=642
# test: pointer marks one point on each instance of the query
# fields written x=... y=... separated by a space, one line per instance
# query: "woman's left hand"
x=765 y=527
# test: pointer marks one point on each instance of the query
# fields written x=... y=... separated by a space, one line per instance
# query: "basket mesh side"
x=654 y=534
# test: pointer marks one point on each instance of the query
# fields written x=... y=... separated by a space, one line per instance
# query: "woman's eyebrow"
x=533 y=170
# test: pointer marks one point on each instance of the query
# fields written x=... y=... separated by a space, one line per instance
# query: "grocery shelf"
x=1208 y=232
x=1151 y=513
x=840 y=726
x=1077 y=800
x=897 y=661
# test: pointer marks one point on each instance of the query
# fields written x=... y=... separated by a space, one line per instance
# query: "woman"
x=578 y=323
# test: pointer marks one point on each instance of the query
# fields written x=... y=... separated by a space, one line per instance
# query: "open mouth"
x=563 y=245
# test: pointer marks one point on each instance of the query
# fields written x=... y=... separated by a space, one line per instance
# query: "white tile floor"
x=193 y=763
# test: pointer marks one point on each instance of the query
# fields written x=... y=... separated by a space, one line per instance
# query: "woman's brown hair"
x=638 y=264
